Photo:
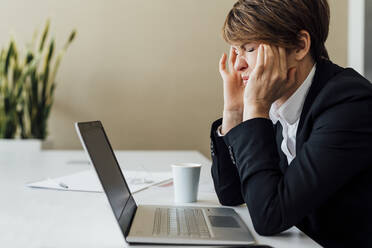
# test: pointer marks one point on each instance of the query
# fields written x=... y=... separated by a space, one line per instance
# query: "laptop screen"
x=102 y=156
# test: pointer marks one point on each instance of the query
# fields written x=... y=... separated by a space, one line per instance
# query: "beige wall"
x=337 y=39
x=147 y=69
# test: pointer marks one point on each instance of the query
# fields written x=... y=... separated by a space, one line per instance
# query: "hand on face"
x=270 y=80
x=233 y=87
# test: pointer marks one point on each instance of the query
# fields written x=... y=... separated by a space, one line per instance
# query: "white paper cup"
x=186 y=182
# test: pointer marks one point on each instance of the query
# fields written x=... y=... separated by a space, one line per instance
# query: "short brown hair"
x=279 y=22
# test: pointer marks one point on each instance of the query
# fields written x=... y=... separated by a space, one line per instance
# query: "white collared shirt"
x=289 y=116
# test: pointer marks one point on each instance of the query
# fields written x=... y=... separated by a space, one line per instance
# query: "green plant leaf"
x=8 y=57
x=27 y=85
x=29 y=58
x=45 y=35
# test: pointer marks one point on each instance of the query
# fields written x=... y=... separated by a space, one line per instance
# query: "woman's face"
x=246 y=56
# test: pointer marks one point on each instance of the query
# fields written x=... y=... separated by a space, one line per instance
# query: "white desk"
x=37 y=218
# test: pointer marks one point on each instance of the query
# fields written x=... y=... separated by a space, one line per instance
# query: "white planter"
x=20 y=145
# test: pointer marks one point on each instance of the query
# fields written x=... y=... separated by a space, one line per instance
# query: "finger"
x=232 y=58
x=222 y=64
x=258 y=69
x=269 y=58
x=283 y=61
x=276 y=58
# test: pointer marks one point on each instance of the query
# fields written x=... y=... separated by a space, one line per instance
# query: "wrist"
x=230 y=119
x=256 y=110
x=235 y=110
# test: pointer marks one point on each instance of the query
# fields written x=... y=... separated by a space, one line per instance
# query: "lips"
x=245 y=79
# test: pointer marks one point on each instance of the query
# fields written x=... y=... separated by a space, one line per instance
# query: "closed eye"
x=248 y=47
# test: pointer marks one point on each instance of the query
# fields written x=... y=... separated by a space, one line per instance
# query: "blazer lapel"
x=279 y=139
x=325 y=70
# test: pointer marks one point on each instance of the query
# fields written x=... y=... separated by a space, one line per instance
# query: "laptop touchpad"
x=223 y=221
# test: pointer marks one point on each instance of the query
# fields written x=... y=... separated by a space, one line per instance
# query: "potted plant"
x=27 y=85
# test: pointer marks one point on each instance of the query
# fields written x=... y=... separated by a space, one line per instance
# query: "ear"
x=304 y=44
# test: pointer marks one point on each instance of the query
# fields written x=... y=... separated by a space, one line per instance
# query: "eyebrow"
x=242 y=46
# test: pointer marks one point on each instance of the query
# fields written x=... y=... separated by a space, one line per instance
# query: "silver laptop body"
x=157 y=224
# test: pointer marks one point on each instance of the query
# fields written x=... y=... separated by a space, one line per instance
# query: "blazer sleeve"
x=224 y=172
x=338 y=148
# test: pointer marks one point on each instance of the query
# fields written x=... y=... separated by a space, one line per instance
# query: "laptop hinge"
x=126 y=217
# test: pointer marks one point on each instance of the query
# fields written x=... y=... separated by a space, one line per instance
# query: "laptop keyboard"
x=187 y=222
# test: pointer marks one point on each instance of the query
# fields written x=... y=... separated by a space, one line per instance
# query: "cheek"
x=252 y=59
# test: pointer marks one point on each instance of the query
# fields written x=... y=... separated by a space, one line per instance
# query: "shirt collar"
x=291 y=109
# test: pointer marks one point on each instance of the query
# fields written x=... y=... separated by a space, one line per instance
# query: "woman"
x=295 y=140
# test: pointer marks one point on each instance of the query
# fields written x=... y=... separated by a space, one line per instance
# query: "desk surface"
x=48 y=218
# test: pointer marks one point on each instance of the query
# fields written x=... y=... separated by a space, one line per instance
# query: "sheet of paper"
x=88 y=181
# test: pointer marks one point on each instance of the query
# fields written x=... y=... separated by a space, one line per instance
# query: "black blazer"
x=326 y=191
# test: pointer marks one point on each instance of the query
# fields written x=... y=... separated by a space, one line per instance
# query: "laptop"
x=157 y=224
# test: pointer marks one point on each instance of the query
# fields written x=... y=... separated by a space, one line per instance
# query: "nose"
x=240 y=63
